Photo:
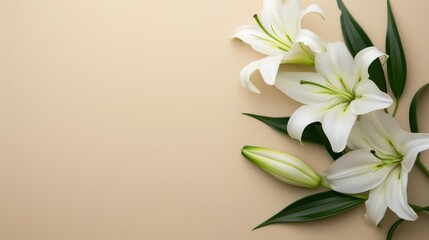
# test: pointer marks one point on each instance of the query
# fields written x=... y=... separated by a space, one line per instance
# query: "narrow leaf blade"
x=314 y=207
x=414 y=125
x=395 y=225
x=396 y=63
x=356 y=39
x=280 y=125
x=393 y=229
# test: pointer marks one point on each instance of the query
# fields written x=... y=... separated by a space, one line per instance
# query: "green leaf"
x=393 y=229
x=314 y=207
x=326 y=143
x=414 y=125
x=280 y=125
x=356 y=39
x=395 y=225
x=396 y=63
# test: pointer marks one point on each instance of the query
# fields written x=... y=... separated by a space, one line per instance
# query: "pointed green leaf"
x=396 y=63
x=280 y=125
x=327 y=144
x=414 y=125
x=393 y=229
x=356 y=39
x=395 y=225
x=314 y=207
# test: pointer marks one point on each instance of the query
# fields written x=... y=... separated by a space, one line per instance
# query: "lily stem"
x=418 y=208
x=422 y=167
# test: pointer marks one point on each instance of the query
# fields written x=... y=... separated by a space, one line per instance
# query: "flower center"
x=278 y=41
x=388 y=159
x=345 y=96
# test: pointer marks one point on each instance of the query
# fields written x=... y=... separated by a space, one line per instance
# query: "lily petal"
x=364 y=58
x=290 y=13
x=337 y=125
x=376 y=205
x=325 y=69
x=312 y=40
x=371 y=98
x=380 y=130
x=302 y=117
x=356 y=172
x=357 y=139
x=299 y=54
x=258 y=40
x=245 y=75
x=268 y=67
x=290 y=84
x=272 y=18
x=343 y=63
x=279 y=24
x=396 y=195
x=313 y=8
x=411 y=144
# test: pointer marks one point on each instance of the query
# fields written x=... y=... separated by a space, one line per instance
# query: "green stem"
x=360 y=196
x=397 y=223
x=424 y=209
x=396 y=107
x=418 y=208
x=422 y=167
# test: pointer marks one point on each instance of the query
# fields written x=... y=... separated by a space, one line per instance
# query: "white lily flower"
x=279 y=35
x=383 y=155
x=335 y=95
x=282 y=166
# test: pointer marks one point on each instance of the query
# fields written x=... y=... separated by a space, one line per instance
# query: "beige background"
x=120 y=119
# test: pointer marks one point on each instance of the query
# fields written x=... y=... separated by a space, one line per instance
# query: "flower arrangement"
x=344 y=107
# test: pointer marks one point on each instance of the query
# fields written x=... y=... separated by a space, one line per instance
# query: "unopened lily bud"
x=282 y=166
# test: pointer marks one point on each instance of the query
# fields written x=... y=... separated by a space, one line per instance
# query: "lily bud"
x=282 y=166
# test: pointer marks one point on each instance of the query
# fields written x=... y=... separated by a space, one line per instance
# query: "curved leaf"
x=414 y=125
x=393 y=229
x=397 y=223
x=314 y=207
x=356 y=39
x=396 y=63
x=280 y=125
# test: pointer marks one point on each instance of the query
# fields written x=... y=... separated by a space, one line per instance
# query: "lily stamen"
x=386 y=160
x=269 y=34
x=346 y=96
